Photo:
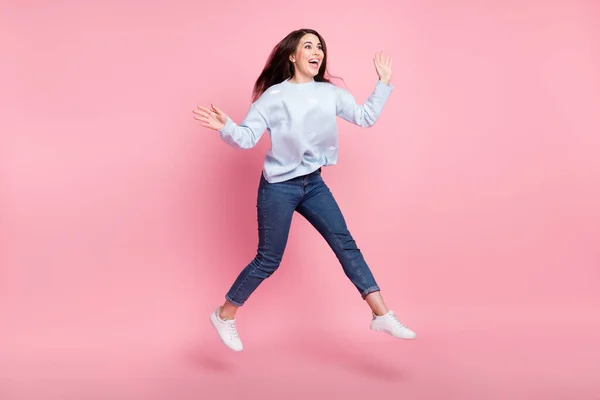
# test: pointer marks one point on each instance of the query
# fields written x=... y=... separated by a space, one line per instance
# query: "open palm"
x=383 y=66
x=212 y=118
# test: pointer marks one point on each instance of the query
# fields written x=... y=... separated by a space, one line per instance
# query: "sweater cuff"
x=383 y=86
x=228 y=127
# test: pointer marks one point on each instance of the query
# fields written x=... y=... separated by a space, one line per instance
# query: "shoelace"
x=232 y=330
x=396 y=321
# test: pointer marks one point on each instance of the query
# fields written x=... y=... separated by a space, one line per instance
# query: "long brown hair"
x=278 y=67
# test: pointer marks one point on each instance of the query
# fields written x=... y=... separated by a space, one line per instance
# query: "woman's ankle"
x=227 y=311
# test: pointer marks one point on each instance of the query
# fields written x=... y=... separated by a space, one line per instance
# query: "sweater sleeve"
x=247 y=134
x=364 y=115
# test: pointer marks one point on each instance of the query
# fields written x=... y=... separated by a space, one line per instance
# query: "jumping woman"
x=298 y=105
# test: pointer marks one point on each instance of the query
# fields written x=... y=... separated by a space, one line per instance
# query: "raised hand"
x=383 y=66
x=212 y=118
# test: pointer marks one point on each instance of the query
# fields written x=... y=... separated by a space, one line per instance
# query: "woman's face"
x=308 y=57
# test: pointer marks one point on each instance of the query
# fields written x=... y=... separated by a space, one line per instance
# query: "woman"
x=294 y=101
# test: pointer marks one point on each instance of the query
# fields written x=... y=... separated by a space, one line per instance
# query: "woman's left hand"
x=383 y=66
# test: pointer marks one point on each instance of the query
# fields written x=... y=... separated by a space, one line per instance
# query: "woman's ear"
x=292 y=57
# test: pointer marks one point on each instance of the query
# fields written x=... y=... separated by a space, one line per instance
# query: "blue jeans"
x=310 y=197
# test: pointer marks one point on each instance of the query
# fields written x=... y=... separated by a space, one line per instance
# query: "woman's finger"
x=202 y=114
x=207 y=125
x=217 y=110
x=206 y=110
x=203 y=117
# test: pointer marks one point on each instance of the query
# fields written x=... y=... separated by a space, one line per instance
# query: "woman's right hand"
x=212 y=118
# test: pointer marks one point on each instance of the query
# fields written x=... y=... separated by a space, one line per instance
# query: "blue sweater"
x=301 y=120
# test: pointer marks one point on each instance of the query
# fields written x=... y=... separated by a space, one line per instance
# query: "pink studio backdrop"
x=475 y=199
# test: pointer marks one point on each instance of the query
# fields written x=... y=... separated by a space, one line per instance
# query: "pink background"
x=475 y=199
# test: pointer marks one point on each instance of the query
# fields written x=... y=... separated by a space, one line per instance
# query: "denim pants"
x=310 y=197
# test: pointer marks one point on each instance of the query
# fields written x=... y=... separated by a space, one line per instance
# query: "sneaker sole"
x=377 y=329
x=213 y=322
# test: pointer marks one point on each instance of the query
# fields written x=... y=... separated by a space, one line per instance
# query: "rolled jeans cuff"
x=370 y=290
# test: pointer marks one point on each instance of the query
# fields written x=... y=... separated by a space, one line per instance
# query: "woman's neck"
x=301 y=79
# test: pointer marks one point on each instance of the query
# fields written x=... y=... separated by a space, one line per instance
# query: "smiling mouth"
x=314 y=63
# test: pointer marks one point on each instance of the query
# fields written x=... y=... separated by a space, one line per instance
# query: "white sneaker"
x=226 y=330
x=389 y=324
